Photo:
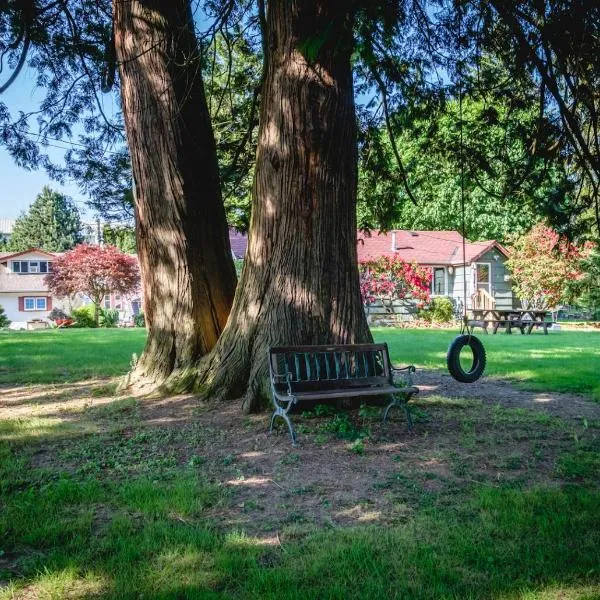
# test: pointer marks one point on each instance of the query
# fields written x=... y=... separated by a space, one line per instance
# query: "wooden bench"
x=308 y=374
x=523 y=325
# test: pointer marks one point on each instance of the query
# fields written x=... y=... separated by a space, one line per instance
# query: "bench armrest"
x=280 y=378
x=404 y=374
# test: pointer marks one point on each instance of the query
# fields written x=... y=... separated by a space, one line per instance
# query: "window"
x=482 y=276
x=31 y=266
x=35 y=303
x=20 y=266
x=107 y=301
x=438 y=281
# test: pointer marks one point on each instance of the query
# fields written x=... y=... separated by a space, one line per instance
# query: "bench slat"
x=350 y=393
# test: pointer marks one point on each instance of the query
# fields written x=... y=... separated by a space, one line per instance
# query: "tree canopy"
x=541 y=58
x=52 y=223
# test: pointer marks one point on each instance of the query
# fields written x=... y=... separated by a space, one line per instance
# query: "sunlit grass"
x=563 y=361
x=67 y=355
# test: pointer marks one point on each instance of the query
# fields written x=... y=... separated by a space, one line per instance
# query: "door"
x=483 y=279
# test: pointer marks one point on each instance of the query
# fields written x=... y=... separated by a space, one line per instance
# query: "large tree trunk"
x=300 y=279
x=182 y=237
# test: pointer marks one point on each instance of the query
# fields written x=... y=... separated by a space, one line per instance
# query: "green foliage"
x=84 y=316
x=109 y=317
x=120 y=236
x=440 y=310
x=587 y=288
x=506 y=188
x=52 y=223
x=4 y=320
x=232 y=80
x=139 y=319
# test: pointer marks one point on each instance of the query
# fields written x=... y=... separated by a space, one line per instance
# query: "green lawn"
x=62 y=355
x=562 y=361
x=108 y=497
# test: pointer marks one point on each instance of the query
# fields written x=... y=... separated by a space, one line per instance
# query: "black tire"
x=453 y=359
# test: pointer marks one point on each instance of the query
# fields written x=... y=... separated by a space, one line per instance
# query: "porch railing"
x=482 y=300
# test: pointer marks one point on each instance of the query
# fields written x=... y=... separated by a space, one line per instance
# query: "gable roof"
x=423 y=247
x=4 y=256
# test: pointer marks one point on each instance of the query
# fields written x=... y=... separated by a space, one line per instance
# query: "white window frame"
x=35 y=299
x=29 y=263
x=433 y=292
x=476 y=281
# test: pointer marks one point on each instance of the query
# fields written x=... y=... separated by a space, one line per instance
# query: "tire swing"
x=465 y=339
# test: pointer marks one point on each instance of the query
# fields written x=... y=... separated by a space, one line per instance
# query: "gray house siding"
x=500 y=287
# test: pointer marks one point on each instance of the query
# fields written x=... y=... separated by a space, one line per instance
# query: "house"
x=487 y=278
x=488 y=281
x=23 y=293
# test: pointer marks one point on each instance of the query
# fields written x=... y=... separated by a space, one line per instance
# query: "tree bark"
x=188 y=276
x=300 y=282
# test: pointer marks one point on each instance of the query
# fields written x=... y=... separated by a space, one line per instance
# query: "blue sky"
x=19 y=187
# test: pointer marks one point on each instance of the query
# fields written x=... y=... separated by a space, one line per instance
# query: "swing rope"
x=464 y=326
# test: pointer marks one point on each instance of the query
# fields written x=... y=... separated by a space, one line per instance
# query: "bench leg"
x=400 y=403
x=282 y=412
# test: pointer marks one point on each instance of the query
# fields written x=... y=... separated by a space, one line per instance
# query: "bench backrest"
x=330 y=366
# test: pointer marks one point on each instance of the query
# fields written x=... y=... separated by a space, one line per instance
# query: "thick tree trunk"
x=182 y=238
x=300 y=280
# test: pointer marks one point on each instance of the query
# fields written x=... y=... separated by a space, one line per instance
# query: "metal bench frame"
x=313 y=373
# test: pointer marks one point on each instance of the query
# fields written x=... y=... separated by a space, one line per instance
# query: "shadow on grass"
x=149 y=539
x=103 y=502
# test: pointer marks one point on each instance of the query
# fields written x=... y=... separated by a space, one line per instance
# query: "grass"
x=562 y=361
x=100 y=500
x=66 y=355
x=127 y=525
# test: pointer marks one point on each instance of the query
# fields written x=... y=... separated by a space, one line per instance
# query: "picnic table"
x=522 y=319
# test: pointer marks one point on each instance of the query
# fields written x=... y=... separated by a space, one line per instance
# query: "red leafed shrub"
x=543 y=264
x=391 y=278
x=94 y=271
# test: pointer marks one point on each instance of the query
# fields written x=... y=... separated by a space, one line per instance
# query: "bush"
x=109 y=317
x=139 y=320
x=84 y=316
x=440 y=310
x=4 y=320
x=57 y=314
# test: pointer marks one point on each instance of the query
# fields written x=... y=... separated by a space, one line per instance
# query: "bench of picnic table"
x=523 y=325
x=307 y=374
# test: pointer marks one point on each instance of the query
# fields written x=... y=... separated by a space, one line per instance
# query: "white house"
x=23 y=293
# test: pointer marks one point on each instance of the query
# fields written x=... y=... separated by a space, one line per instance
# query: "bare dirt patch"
x=348 y=468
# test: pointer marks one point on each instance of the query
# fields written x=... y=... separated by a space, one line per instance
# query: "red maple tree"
x=94 y=271
x=543 y=264
x=391 y=278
